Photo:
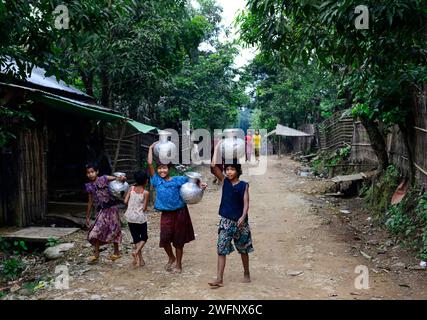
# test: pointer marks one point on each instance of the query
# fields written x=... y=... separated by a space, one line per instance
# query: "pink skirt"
x=106 y=228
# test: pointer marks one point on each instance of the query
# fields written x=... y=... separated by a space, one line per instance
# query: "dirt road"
x=297 y=254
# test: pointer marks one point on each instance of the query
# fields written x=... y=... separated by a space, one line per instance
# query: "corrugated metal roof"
x=59 y=95
x=289 y=132
x=37 y=79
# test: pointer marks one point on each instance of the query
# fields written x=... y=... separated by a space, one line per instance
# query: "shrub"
x=12 y=268
x=378 y=196
x=408 y=220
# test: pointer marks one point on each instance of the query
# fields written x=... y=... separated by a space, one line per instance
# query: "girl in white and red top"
x=137 y=201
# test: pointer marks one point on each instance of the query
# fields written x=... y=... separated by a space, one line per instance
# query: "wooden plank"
x=421 y=129
x=38 y=233
x=350 y=177
x=69 y=203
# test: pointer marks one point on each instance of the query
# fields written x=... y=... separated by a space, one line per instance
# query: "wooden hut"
x=46 y=161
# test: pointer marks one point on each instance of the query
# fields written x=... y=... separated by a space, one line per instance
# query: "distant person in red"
x=248 y=144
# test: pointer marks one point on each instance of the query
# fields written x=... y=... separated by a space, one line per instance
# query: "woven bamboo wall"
x=23 y=187
x=361 y=149
x=133 y=149
x=338 y=131
x=420 y=140
x=127 y=160
x=335 y=132
x=33 y=177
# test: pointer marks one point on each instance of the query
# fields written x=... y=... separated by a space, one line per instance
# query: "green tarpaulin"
x=86 y=110
x=144 y=128
x=78 y=108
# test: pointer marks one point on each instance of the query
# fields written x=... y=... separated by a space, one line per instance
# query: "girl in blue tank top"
x=233 y=225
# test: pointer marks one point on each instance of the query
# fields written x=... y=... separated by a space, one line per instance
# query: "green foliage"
x=399 y=222
x=19 y=247
x=26 y=34
x=51 y=242
x=12 y=247
x=381 y=69
x=408 y=220
x=31 y=286
x=325 y=160
x=12 y=268
x=378 y=196
x=4 y=245
x=141 y=58
x=205 y=92
x=12 y=119
x=421 y=213
x=290 y=95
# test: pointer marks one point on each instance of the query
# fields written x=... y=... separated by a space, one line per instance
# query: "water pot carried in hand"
x=118 y=188
x=191 y=193
x=233 y=146
x=165 y=150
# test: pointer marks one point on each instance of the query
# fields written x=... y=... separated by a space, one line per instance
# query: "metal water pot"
x=233 y=146
x=117 y=188
x=165 y=150
x=191 y=193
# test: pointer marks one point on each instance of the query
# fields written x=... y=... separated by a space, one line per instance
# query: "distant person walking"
x=248 y=144
x=257 y=144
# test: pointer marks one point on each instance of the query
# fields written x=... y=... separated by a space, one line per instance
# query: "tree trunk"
x=87 y=81
x=106 y=96
x=408 y=133
x=377 y=142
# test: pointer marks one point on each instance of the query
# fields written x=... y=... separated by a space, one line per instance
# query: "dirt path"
x=289 y=236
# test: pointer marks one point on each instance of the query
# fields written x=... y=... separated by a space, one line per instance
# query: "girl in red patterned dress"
x=106 y=228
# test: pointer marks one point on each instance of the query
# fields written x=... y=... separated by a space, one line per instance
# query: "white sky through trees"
x=230 y=10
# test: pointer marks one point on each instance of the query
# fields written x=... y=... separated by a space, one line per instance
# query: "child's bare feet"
x=216 y=283
x=176 y=270
x=134 y=262
x=141 y=261
x=246 y=278
x=168 y=265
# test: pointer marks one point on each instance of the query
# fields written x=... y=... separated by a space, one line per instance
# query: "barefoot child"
x=175 y=222
x=137 y=201
x=106 y=228
x=233 y=225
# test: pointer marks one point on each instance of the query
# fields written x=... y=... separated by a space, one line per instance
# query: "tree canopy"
x=381 y=67
x=141 y=58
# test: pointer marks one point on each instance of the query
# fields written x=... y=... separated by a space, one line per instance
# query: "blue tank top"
x=232 y=200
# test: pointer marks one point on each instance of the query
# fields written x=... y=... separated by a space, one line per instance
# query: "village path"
x=297 y=255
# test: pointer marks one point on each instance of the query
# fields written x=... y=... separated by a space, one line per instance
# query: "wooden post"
x=116 y=157
x=280 y=149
